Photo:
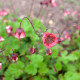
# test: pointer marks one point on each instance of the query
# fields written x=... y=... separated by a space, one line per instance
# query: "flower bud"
x=9 y=29
x=14 y=57
x=48 y=52
x=0 y=65
x=1 y=39
x=32 y=50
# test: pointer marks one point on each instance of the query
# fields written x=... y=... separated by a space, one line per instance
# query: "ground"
x=23 y=7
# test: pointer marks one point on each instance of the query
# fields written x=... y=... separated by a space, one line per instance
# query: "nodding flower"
x=14 y=57
x=32 y=50
x=67 y=36
x=3 y=13
x=66 y=13
x=1 y=39
x=9 y=29
x=48 y=52
x=60 y=39
x=53 y=2
x=19 y=33
x=0 y=65
x=79 y=33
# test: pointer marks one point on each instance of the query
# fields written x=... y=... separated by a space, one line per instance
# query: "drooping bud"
x=1 y=39
x=60 y=39
x=19 y=33
x=48 y=52
x=0 y=65
x=79 y=33
x=53 y=2
x=9 y=29
x=67 y=36
x=14 y=57
x=66 y=13
x=4 y=20
x=32 y=50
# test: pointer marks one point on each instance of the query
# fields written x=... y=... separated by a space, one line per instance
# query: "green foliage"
x=63 y=64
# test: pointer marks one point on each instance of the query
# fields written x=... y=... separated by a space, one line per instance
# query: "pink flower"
x=0 y=65
x=44 y=3
x=60 y=39
x=79 y=33
x=53 y=2
x=5 y=20
x=67 y=36
x=74 y=13
x=77 y=27
x=32 y=50
x=19 y=33
x=66 y=13
x=1 y=39
x=14 y=57
x=48 y=52
x=9 y=29
x=49 y=39
x=3 y=13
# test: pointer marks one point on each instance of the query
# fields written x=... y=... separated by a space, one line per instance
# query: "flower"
x=66 y=13
x=14 y=57
x=49 y=39
x=3 y=13
x=77 y=27
x=48 y=52
x=79 y=33
x=19 y=33
x=0 y=65
x=60 y=39
x=73 y=13
x=9 y=29
x=1 y=39
x=67 y=36
x=4 y=20
x=53 y=2
x=32 y=50
x=44 y=3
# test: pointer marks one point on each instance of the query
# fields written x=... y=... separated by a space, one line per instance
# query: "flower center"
x=49 y=39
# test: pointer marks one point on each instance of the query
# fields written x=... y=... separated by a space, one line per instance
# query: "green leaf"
x=58 y=66
x=72 y=76
x=38 y=25
x=31 y=69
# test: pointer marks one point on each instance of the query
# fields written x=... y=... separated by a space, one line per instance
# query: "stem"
x=31 y=7
x=31 y=24
x=10 y=47
x=2 y=50
x=57 y=32
x=40 y=11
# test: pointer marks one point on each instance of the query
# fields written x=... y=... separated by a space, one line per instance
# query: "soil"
x=23 y=7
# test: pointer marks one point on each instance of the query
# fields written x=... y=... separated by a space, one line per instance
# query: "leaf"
x=58 y=66
x=31 y=69
x=72 y=76
x=38 y=25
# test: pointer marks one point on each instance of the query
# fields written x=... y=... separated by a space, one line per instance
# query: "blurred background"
x=50 y=15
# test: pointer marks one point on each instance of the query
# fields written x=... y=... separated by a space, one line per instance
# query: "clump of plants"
x=29 y=51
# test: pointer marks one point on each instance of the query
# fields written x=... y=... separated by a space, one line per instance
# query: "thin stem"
x=10 y=47
x=31 y=7
x=40 y=11
x=2 y=50
x=57 y=32
x=31 y=24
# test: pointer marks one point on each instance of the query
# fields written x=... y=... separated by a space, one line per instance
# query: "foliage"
x=63 y=64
